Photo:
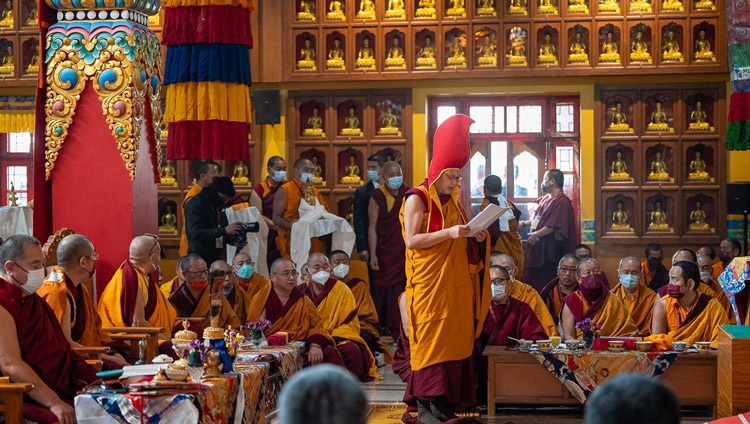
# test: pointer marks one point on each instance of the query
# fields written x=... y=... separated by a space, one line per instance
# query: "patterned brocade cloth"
x=581 y=373
x=288 y=357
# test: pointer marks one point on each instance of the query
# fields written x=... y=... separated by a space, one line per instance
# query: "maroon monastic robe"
x=514 y=319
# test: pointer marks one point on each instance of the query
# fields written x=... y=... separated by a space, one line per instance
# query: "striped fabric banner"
x=738 y=126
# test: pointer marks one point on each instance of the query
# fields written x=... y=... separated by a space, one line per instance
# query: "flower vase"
x=588 y=339
x=256 y=336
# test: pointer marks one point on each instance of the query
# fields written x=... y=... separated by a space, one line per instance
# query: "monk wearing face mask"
x=636 y=297
x=246 y=276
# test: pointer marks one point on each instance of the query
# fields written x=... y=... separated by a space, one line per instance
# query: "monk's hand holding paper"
x=458 y=231
x=315 y=354
x=480 y=235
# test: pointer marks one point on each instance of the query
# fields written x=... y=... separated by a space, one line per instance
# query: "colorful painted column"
x=102 y=118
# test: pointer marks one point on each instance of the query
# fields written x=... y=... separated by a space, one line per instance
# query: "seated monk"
x=637 y=298
x=338 y=311
x=368 y=316
x=33 y=348
x=132 y=297
x=705 y=266
x=655 y=274
x=684 y=314
x=171 y=286
x=687 y=254
x=71 y=301
x=193 y=299
x=237 y=298
x=564 y=284
x=285 y=304
x=245 y=276
x=593 y=300
x=525 y=293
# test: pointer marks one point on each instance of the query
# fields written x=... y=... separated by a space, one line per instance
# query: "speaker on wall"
x=267 y=106
x=738 y=197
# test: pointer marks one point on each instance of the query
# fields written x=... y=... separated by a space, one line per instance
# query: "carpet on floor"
x=392 y=413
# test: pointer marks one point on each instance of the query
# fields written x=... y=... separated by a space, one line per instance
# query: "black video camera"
x=250 y=227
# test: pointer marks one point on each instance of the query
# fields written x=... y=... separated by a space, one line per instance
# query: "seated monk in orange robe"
x=637 y=298
x=235 y=296
x=525 y=293
x=245 y=276
x=593 y=300
x=286 y=206
x=194 y=298
x=33 y=348
x=564 y=284
x=132 y=297
x=285 y=304
x=368 y=316
x=684 y=314
x=171 y=286
x=338 y=310
x=707 y=278
x=71 y=301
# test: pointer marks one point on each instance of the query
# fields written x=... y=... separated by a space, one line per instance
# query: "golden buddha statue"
x=456 y=55
x=619 y=169
x=658 y=219
x=659 y=120
x=239 y=174
x=578 y=6
x=426 y=57
x=702 y=52
x=547 y=51
x=698 y=169
x=168 y=175
x=336 y=56
x=352 y=172
x=698 y=119
x=33 y=66
x=577 y=51
x=619 y=120
x=426 y=9
x=610 y=6
x=396 y=10
x=457 y=8
x=620 y=219
x=336 y=11
x=547 y=8
x=698 y=219
x=168 y=222
x=518 y=7
x=315 y=124
x=639 y=49
x=704 y=5
x=352 y=128
x=395 y=58
x=641 y=6
x=8 y=66
x=609 y=52
x=389 y=120
x=659 y=170
x=672 y=6
x=487 y=53
x=33 y=18
x=366 y=10
x=307 y=57
x=517 y=52
x=306 y=10
x=6 y=19
x=670 y=49
x=485 y=8
x=365 y=56
x=317 y=173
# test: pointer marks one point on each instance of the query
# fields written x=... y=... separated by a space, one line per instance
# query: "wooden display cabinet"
x=612 y=173
x=694 y=104
x=703 y=47
x=170 y=214
x=672 y=42
x=623 y=220
x=351 y=157
x=661 y=165
x=347 y=109
x=609 y=48
x=29 y=15
x=306 y=43
x=307 y=119
x=643 y=49
x=485 y=48
x=367 y=40
x=8 y=58
x=396 y=39
x=388 y=112
x=544 y=59
x=457 y=49
x=577 y=47
x=660 y=116
x=517 y=53
x=700 y=212
x=661 y=213
x=699 y=161
x=30 y=57
x=337 y=57
x=613 y=106
x=424 y=52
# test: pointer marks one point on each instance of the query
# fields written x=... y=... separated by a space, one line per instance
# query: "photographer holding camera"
x=208 y=231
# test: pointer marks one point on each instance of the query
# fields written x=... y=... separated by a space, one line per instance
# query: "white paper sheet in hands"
x=485 y=218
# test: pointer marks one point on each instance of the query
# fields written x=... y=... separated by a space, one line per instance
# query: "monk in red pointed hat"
x=447 y=292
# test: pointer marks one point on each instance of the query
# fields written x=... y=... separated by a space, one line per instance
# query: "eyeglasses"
x=201 y=273
x=566 y=270
x=287 y=274
x=499 y=281
x=451 y=178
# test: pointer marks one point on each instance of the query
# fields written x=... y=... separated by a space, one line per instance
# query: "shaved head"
x=72 y=248
x=220 y=265
x=630 y=260
x=142 y=248
x=315 y=257
x=278 y=262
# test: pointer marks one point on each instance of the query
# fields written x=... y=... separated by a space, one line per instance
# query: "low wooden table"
x=516 y=378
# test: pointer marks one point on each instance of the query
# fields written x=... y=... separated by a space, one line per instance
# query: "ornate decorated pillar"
x=102 y=115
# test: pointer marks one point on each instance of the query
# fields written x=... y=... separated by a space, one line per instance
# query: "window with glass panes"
x=516 y=138
x=16 y=156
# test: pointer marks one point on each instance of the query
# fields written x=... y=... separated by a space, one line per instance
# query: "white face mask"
x=34 y=280
x=341 y=270
x=630 y=281
x=705 y=276
x=498 y=292
x=320 y=277
x=306 y=177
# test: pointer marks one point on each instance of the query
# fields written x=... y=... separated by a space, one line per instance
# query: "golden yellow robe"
x=368 y=316
x=169 y=287
x=721 y=297
x=338 y=314
x=613 y=317
x=110 y=310
x=293 y=190
x=254 y=286
x=641 y=307
x=718 y=268
x=509 y=242
x=202 y=309
x=55 y=292
x=703 y=328
x=446 y=301
x=195 y=189
x=241 y=303
x=530 y=296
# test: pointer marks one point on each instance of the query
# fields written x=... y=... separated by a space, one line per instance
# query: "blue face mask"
x=306 y=177
x=395 y=182
x=279 y=176
x=245 y=272
x=373 y=175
